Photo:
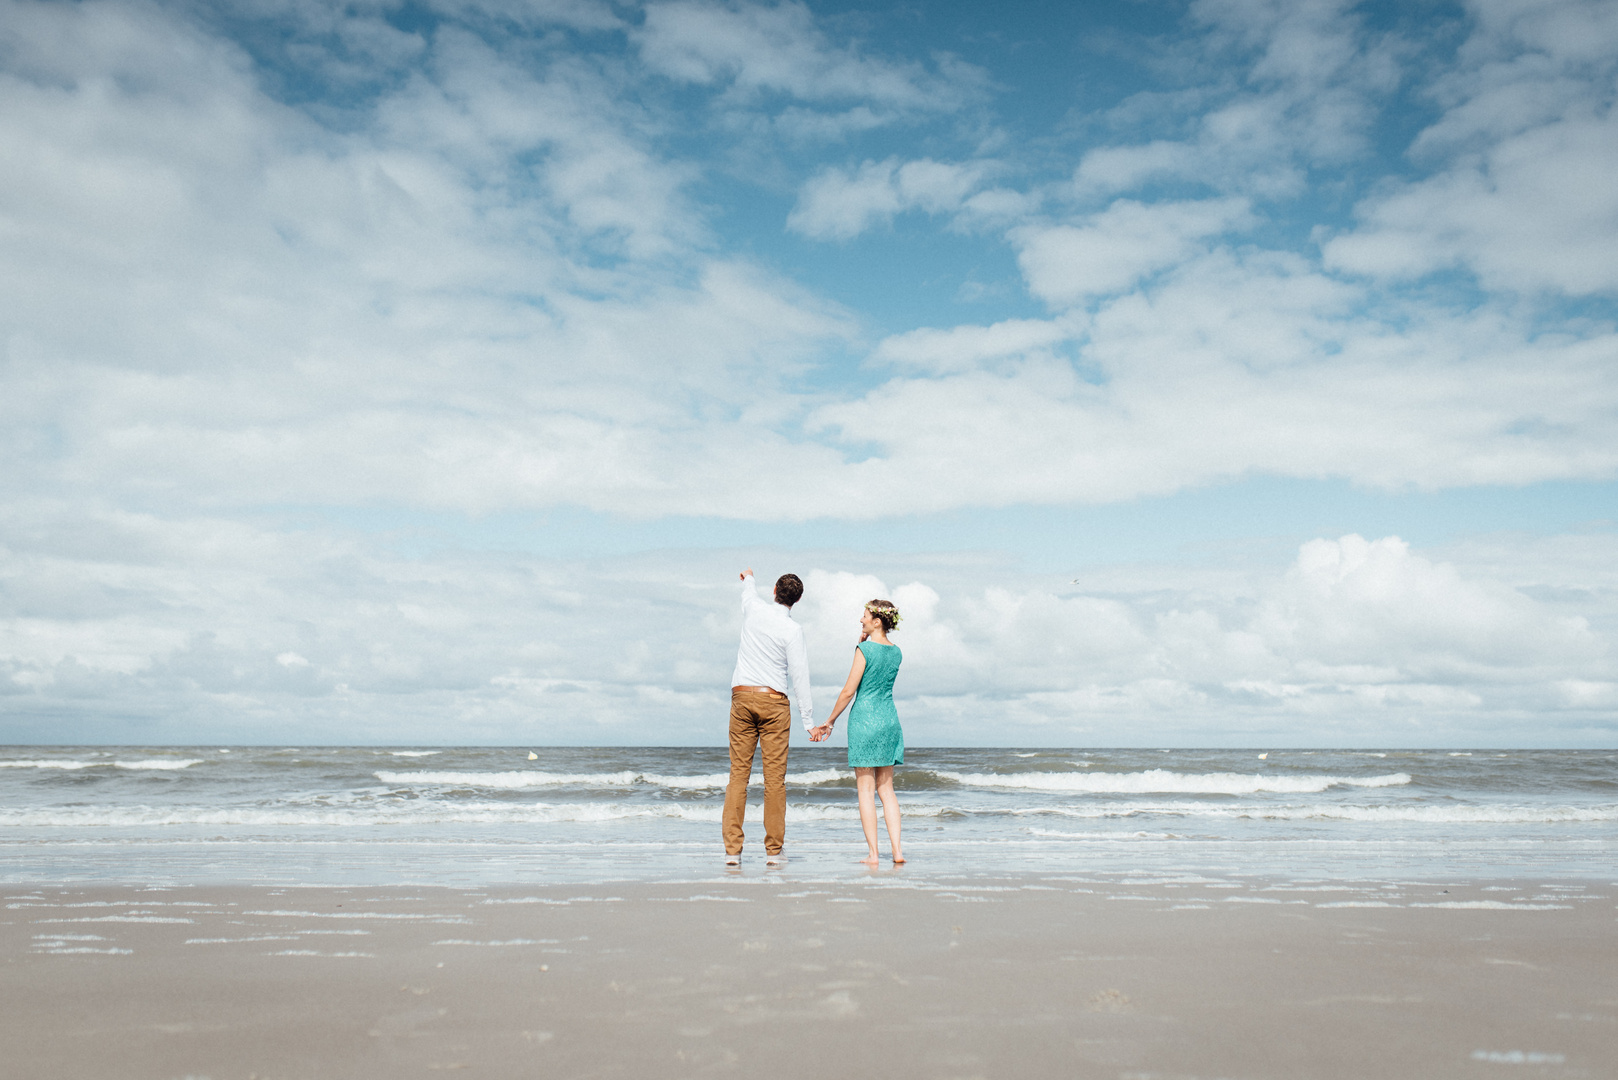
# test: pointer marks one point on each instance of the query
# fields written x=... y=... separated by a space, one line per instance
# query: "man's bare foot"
x=871 y=859
x=897 y=858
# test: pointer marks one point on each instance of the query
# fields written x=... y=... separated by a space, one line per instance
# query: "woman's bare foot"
x=898 y=858
x=871 y=860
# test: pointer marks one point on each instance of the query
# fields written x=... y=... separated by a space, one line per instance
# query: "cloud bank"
x=479 y=258
x=132 y=630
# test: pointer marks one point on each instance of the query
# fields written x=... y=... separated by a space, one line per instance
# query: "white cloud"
x=1312 y=79
x=126 y=628
x=1351 y=606
x=755 y=49
x=1120 y=168
x=498 y=294
x=1232 y=366
x=1111 y=251
x=837 y=205
x=963 y=348
x=1539 y=212
x=479 y=277
x=1525 y=148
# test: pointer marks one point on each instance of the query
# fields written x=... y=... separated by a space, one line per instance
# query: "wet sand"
x=767 y=975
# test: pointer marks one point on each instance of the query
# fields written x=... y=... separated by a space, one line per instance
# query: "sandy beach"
x=765 y=974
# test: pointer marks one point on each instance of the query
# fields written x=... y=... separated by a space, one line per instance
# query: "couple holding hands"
x=771 y=658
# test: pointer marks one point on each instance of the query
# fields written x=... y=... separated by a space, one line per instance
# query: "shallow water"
x=482 y=815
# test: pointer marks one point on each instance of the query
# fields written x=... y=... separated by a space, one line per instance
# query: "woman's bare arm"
x=846 y=695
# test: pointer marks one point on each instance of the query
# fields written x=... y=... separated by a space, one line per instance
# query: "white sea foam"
x=360 y=915
x=70 y=765
x=1155 y=781
x=433 y=812
x=558 y=903
x=1259 y=900
x=1518 y=1057
x=414 y=753
x=422 y=812
x=32 y=902
x=1445 y=815
x=520 y=779
x=1404 y=812
x=118 y=918
x=1494 y=905
x=529 y=778
x=1060 y=834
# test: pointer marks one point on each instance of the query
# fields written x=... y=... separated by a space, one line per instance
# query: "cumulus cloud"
x=760 y=49
x=836 y=204
x=1232 y=366
x=123 y=627
x=1111 y=251
x=964 y=348
x=490 y=287
x=306 y=257
x=1313 y=78
x=1521 y=196
x=1536 y=214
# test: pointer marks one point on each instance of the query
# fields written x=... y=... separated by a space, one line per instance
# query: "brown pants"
x=757 y=718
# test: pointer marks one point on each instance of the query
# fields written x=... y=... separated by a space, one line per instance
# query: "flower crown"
x=884 y=610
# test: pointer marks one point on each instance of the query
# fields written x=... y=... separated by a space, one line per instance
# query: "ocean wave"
x=72 y=766
x=1139 y=816
x=1405 y=813
x=1159 y=781
x=1452 y=815
x=415 y=814
x=529 y=778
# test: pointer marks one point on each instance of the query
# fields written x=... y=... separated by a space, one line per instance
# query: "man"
x=770 y=658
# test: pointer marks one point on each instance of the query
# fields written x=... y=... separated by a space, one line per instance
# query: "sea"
x=329 y=815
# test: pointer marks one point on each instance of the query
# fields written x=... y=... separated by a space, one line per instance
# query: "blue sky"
x=1217 y=373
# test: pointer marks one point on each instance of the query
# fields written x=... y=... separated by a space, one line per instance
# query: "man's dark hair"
x=788 y=589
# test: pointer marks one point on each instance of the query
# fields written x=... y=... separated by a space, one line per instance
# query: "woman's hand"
x=850 y=688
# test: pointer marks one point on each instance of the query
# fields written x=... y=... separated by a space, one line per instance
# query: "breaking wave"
x=1162 y=781
x=626 y=778
x=70 y=765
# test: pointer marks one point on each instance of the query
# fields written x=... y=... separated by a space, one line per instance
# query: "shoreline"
x=1170 y=976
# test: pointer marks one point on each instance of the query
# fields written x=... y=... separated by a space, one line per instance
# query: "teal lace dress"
x=874 y=736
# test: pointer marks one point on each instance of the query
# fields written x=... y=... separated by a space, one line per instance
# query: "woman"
x=875 y=742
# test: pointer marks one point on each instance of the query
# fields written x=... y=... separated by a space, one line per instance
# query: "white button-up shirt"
x=772 y=652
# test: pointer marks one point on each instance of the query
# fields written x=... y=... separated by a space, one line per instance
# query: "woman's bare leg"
x=865 y=781
x=890 y=813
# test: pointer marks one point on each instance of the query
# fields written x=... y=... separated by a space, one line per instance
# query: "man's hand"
x=819 y=734
x=745 y=574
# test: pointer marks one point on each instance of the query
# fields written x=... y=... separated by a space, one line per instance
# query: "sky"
x=1210 y=373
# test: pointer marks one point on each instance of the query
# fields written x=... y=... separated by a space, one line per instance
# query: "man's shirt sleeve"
x=798 y=673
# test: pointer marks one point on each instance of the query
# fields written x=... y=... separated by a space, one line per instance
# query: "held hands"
x=820 y=734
